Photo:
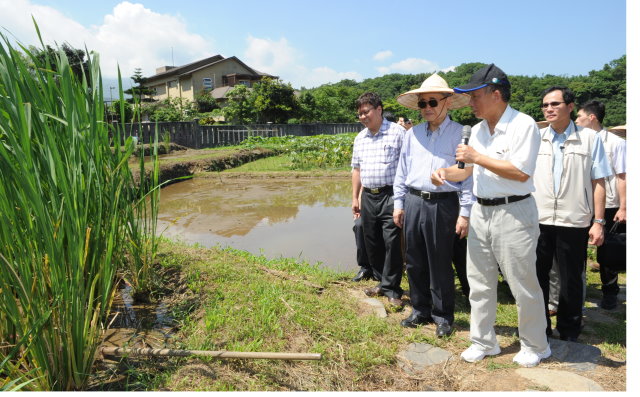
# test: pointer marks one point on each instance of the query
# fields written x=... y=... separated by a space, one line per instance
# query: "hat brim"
x=410 y=99
x=468 y=88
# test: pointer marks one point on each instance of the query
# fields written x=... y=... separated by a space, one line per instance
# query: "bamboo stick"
x=120 y=351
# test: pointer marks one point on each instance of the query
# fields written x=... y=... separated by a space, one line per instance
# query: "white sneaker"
x=528 y=358
x=476 y=353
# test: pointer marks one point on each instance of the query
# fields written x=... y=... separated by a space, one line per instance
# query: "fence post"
x=196 y=133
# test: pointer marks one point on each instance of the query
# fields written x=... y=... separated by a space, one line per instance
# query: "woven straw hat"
x=434 y=84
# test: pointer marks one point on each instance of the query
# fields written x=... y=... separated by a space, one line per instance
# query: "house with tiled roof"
x=215 y=75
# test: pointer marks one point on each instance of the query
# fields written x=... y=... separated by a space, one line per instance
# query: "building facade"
x=215 y=75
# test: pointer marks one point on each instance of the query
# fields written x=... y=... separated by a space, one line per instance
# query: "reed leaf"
x=66 y=206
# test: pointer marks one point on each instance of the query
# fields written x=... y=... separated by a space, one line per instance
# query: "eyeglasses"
x=365 y=112
x=552 y=104
x=431 y=102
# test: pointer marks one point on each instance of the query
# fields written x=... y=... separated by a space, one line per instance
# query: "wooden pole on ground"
x=120 y=351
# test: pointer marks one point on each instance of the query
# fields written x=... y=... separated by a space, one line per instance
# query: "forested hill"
x=334 y=102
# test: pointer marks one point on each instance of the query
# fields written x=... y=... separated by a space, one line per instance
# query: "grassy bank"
x=232 y=300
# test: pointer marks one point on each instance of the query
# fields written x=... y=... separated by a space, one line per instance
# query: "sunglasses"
x=552 y=104
x=431 y=102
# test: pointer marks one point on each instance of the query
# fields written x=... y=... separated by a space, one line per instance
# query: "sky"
x=309 y=43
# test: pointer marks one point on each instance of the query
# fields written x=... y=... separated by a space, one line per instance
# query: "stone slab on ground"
x=369 y=305
x=558 y=380
x=577 y=356
x=418 y=356
x=376 y=306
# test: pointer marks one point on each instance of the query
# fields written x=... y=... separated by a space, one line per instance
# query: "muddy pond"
x=306 y=218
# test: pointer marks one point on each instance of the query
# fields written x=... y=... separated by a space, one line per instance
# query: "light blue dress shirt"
x=422 y=153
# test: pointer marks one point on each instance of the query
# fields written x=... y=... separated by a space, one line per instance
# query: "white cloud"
x=410 y=65
x=132 y=36
x=281 y=59
x=382 y=55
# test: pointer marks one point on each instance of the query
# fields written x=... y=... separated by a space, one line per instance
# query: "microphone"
x=466 y=133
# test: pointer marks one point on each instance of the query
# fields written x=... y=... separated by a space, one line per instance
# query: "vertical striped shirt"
x=422 y=153
x=377 y=155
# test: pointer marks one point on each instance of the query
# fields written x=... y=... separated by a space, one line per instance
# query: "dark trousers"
x=609 y=277
x=361 y=251
x=568 y=245
x=460 y=262
x=429 y=227
x=382 y=241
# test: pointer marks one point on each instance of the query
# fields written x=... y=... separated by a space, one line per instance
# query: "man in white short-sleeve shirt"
x=591 y=116
x=503 y=229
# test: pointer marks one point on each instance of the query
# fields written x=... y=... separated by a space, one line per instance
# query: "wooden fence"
x=196 y=136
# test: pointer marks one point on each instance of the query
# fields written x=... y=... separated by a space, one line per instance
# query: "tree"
x=138 y=90
x=274 y=101
x=77 y=59
x=239 y=108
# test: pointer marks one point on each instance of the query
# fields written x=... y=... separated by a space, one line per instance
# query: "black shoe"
x=443 y=329
x=363 y=274
x=414 y=320
x=609 y=302
x=569 y=338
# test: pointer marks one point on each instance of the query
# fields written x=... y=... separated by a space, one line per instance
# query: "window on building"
x=207 y=84
x=245 y=82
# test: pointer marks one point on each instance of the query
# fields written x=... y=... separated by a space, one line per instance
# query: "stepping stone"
x=577 y=356
x=369 y=305
x=418 y=356
x=558 y=380
x=376 y=306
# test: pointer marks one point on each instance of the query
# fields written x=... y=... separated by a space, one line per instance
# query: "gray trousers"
x=506 y=234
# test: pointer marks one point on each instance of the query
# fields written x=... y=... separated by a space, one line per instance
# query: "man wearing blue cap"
x=503 y=229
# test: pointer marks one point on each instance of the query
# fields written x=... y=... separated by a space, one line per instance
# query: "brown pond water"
x=308 y=218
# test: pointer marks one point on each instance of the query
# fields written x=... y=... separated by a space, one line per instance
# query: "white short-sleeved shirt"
x=616 y=149
x=516 y=138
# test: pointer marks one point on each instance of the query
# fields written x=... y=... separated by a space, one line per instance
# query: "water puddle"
x=309 y=219
x=138 y=324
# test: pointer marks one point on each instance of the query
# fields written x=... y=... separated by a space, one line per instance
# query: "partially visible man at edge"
x=503 y=229
x=376 y=150
x=591 y=115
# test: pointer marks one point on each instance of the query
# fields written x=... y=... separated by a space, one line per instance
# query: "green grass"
x=269 y=164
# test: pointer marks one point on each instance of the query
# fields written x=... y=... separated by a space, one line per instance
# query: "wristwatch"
x=600 y=221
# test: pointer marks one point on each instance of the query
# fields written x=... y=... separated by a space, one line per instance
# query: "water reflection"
x=305 y=218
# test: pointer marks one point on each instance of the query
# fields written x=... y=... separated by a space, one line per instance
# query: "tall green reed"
x=66 y=201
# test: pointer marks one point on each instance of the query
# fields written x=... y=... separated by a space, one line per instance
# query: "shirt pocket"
x=390 y=153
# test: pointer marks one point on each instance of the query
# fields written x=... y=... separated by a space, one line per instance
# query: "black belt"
x=377 y=190
x=432 y=195
x=501 y=200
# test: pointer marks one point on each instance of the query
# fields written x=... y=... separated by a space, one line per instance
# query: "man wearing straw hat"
x=503 y=229
x=376 y=150
x=431 y=215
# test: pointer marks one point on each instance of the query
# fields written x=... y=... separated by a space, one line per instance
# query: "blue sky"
x=311 y=43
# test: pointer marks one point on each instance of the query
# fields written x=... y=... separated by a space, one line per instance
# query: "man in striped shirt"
x=376 y=150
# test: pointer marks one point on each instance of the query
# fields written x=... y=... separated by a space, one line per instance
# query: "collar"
x=501 y=127
x=384 y=127
x=571 y=132
x=445 y=123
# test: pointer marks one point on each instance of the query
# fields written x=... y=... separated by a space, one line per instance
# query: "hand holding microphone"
x=466 y=134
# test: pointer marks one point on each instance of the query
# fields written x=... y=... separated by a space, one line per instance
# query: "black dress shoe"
x=443 y=329
x=569 y=338
x=363 y=274
x=414 y=320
